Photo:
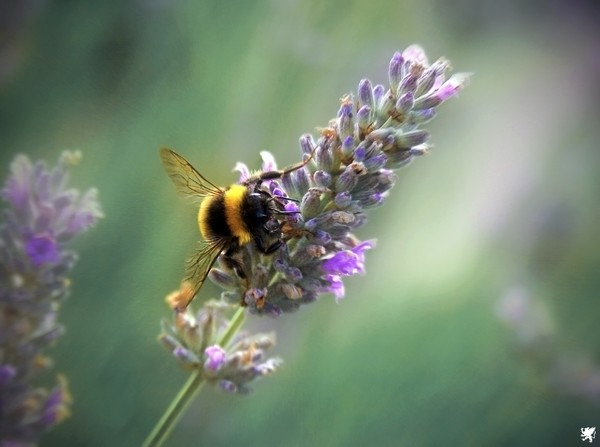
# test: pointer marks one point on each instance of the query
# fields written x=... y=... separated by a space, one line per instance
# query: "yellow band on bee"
x=234 y=198
x=203 y=213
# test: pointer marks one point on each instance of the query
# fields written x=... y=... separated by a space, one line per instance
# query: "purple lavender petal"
x=215 y=357
x=42 y=249
x=7 y=373
x=17 y=188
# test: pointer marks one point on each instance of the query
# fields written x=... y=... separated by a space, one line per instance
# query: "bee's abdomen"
x=212 y=220
x=222 y=216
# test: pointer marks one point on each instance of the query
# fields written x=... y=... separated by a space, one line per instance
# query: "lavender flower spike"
x=41 y=215
x=321 y=206
x=314 y=210
x=352 y=170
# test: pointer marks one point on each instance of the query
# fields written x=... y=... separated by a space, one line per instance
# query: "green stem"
x=175 y=410
x=234 y=325
x=186 y=394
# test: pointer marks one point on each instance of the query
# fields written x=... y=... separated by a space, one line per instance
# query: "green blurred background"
x=416 y=353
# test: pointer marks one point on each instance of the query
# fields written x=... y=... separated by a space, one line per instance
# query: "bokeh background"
x=477 y=320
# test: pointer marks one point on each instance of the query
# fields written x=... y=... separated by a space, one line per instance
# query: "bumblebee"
x=228 y=218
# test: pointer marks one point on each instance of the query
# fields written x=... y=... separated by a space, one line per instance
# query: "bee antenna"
x=297 y=166
x=286 y=212
x=272 y=175
x=291 y=199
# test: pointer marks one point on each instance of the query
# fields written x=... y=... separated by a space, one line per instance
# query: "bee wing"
x=200 y=262
x=187 y=180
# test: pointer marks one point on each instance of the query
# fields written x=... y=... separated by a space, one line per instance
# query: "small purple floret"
x=347 y=262
x=7 y=373
x=215 y=357
x=42 y=249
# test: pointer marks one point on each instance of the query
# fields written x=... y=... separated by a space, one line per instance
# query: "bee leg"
x=232 y=261
x=269 y=247
x=273 y=247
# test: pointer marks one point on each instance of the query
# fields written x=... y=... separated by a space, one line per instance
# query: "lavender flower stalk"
x=373 y=134
x=42 y=216
x=351 y=170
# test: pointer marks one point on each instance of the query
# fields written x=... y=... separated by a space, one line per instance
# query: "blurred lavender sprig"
x=42 y=214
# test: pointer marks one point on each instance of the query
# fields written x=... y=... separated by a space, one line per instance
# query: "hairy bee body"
x=240 y=216
x=228 y=218
x=220 y=216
